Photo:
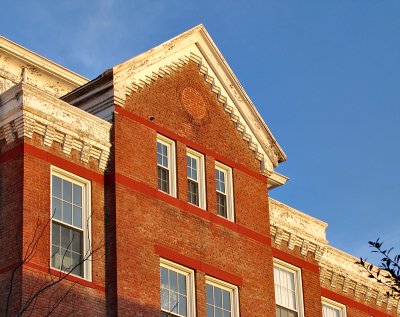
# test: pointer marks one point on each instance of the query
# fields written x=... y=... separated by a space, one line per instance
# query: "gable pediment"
x=196 y=45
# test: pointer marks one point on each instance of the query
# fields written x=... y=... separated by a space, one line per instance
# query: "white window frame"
x=332 y=304
x=298 y=284
x=232 y=289
x=190 y=284
x=228 y=188
x=86 y=218
x=200 y=176
x=170 y=144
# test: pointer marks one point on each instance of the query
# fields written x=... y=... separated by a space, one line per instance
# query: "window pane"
x=77 y=195
x=76 y=241
x=173 y=302
x=218 y=296
x=67 y=191
x=226 y=300
x=164 y=299
x=210 y=311
x=182 y=283
x=56 y=186
x=218 y=312
x=75 y=265
x=164 y=277
x=182 y=305
x=173 y=280
x=209 y=294
x=193 y=192
x=56 y=208
x=65 y=237
x=77 y=216
x=221 y=205
x=55 y=234
x=67 y=212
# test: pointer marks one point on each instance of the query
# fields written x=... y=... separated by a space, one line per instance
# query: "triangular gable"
x=197 y=46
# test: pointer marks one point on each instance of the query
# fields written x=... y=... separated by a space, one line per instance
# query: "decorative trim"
x=297 y=229
x=41 y=62
x=338 y=270
x=25 y=109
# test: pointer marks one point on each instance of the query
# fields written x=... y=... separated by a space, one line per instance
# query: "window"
x=288 y=293
x=332 y=309
x=70 y=224
x=223 y=178
x=166 y=165
x=177 y=290
x=221 y=298
x=196 y=179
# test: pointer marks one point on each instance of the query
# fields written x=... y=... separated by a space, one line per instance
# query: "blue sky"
x=325 y=76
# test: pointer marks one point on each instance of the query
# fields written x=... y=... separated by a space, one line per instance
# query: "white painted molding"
x=20 y=64
x=338 y=270
x=25 y=110
x=297 y=229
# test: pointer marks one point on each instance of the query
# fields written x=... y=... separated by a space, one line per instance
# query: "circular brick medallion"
x=194 y=104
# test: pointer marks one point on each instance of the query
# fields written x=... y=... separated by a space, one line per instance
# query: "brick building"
x=145 y=191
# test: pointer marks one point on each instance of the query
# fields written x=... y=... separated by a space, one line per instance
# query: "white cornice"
x=339 y=271
x=197 y=46
x=40 y=62
x=25 y=110
x=297 y=229
x=276 y=179
x=337 y=268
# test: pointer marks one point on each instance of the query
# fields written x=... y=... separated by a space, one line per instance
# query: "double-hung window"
x=70 y=223
x=221 y=298
x=224 y=191
x=288 y=292
x=177 y=290
x=332 y=309
x=166 y=165
x=195 y=178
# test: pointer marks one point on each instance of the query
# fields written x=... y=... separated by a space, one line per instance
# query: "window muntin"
x=332 y=309
x=70 y=226
x=288 y=294
x=195 y=178
x=221 y=298
x=176 y=289
x=166 y=178
x=224 y=191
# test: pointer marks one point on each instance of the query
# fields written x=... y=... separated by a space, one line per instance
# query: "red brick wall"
x=28 y=189
x=11 y=183
x=147 y=218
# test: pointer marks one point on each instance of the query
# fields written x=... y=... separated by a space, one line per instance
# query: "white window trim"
x=200 y=175
x=229 y=189
x=336 y=305
x=86 y=217
x=233 y=289
x=298 y=284
x=171 y=163
x=190 y=284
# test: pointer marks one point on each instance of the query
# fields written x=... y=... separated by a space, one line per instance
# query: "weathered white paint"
x=25 y=110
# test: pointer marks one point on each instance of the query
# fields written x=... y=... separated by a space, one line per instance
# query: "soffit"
x=197 y=46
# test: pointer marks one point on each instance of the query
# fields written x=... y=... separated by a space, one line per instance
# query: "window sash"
x=70 y=236
x=224 y=191
x=288 y=293
x=166 y=178
x=195 y=178
x=176 y=290
x=222 y=298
